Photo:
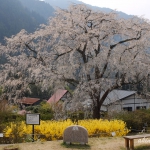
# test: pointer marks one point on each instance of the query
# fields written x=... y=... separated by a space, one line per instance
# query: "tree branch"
x=127 y=40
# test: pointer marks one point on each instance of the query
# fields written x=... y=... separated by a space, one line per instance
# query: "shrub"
x=135 y=120
x=45 y=110
x=52 y=130
x=9 y=117
x=46 y=116
x=76 y=116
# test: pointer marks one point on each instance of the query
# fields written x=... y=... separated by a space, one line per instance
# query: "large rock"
x=75 y=134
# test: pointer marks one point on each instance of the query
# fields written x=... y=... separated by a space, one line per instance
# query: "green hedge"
x=8 y=117
x=135 y=120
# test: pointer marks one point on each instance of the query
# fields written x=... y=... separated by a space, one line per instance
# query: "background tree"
x=97 y=52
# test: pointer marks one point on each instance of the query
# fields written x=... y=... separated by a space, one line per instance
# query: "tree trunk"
x=96 y=112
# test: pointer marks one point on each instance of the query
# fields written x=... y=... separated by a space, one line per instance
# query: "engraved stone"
x=75 y=128
x=75 y=134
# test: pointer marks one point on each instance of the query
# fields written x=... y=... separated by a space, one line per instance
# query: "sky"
x=130 y=7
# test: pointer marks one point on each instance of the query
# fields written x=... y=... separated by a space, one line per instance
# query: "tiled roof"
x=27 y=100
x=57 y=96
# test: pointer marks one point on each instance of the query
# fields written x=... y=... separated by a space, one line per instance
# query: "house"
x=60 y=94
x=26 y=101
x=58 y=103
x=118 y=100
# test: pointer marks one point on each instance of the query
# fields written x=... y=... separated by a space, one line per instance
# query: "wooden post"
x=127 y=144
x=131 y=144
x=33 y=133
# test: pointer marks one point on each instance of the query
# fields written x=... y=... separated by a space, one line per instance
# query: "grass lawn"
x=101 y=143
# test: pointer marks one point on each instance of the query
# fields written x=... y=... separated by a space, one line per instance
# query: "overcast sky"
x=131 y=7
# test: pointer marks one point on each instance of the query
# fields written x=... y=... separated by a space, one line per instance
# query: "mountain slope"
x=29 y=14
x=40 y=7
x=14 y=17
x=65 y=3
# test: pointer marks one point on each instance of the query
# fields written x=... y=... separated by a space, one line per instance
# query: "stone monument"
x=75 y=134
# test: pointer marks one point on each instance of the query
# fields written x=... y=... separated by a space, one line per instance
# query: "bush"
x=45 y=110
x=9 y=117
x=6 y=118
x=46 y=116
x=135 y=120
x=52 y=130
x=76 y=116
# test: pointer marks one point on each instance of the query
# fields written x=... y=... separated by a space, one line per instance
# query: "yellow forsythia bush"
x=52 y=130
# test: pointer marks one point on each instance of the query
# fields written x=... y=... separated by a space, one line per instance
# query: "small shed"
x=27 y=101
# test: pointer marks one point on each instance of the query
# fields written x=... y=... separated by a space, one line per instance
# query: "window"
x=140 y=107
x=127 y=108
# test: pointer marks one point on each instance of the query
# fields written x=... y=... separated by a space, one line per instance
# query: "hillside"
x=40 y=7
x=14 y=17
x=65 y=3
x=29 y=14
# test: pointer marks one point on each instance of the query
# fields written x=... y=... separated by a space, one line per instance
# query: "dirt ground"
x=102 y=143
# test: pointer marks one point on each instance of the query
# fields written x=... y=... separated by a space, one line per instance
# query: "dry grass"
x=102 y=143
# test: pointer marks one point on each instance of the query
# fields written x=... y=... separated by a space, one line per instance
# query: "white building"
x=119 y=100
